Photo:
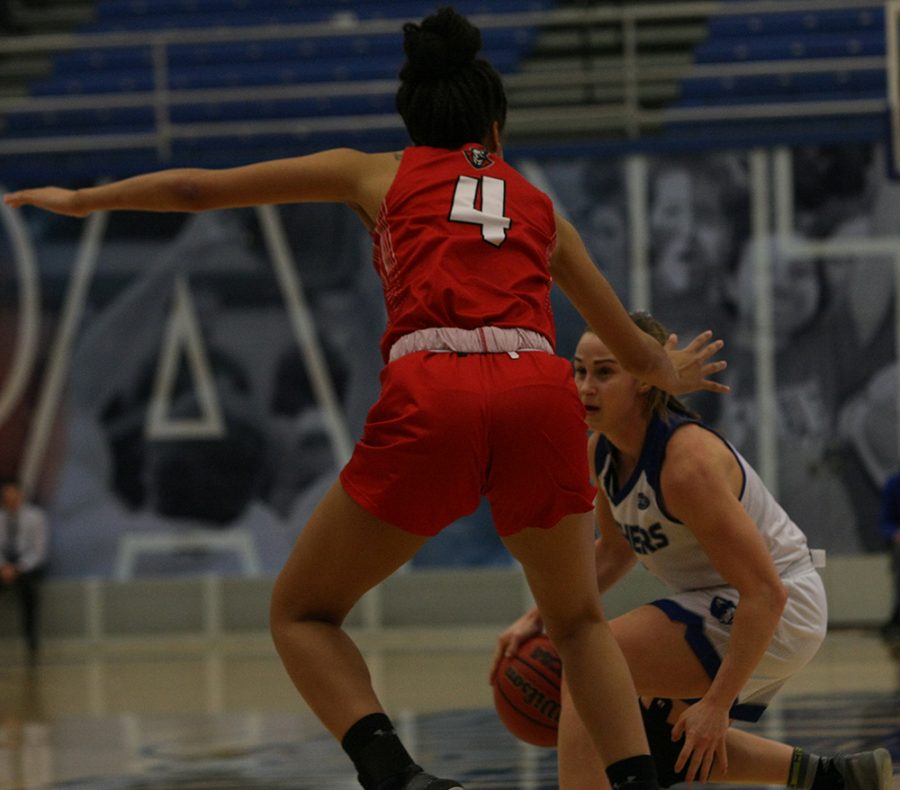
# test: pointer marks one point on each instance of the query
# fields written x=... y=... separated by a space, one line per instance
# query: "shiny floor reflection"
x=198 y=714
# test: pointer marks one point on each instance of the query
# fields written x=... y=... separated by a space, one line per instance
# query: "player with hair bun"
x=747 y=608
x=473 y=402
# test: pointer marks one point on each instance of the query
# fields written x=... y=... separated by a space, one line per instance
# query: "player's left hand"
x=704 y=726
x=692 y=364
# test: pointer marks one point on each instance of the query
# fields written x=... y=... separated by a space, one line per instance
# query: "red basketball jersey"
x=463 y=240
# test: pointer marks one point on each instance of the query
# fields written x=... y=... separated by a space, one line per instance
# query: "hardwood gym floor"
x=190 y=714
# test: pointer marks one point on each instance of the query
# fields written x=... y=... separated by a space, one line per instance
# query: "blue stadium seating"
x=782 y=40
x=698 y=90
x=32 y=124
x=312 y=60
x=860 y=20
x=129 y=15
x=777 y=39
x=493 y=41
x=792 y=47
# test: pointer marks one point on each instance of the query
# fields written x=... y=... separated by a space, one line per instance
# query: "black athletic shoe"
x=865 y=770
x=423 y=781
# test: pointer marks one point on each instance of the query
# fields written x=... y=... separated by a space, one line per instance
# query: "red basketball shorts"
x=449 y=428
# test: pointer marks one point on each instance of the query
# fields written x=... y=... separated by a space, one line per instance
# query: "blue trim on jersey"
x=705 y=651
x=616 y=495
x=694 y=636
x=653 y=453
x=658 y=435
x=747 y=712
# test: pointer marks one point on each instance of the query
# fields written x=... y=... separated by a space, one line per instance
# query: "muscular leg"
x=579 y=764
x=342 y=552
x=663 y=665
x=573 y=617
x=751 y=759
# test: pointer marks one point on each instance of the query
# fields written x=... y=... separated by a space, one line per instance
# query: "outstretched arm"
x=340 y=175
x=677 y=371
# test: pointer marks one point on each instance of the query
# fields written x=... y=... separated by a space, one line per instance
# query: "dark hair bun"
x=442 y=44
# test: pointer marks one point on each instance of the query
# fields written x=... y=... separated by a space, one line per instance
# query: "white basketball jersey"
x=662 y=543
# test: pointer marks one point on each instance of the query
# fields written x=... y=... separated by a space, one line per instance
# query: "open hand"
x=704 y=727
x=692 y=367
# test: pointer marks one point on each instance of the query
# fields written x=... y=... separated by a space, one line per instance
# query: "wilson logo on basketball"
x=534 y=697
x=547 y=659
x=527 y=691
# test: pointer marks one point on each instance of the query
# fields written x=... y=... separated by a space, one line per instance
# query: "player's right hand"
x=528 y=625
x=55 y=199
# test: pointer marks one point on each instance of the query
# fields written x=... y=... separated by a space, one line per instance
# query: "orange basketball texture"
x=526 y=691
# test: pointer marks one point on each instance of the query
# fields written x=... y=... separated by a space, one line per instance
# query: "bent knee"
x=572 y=626
x=293 y=602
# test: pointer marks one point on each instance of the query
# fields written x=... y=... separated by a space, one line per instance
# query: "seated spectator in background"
x=889 y=524
x=699 y=225
x=23 y=539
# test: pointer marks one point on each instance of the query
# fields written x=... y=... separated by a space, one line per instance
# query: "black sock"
x=382 y=763
x=827 y=776
x=633 y=773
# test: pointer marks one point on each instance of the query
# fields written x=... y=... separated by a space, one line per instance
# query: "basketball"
x=526 y=691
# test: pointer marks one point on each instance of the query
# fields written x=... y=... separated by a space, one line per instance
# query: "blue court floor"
x=195 y=713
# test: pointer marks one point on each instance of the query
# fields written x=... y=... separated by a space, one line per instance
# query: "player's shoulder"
x=382 y=159
x=348 y=164
x=694 y=448
x=697 y=461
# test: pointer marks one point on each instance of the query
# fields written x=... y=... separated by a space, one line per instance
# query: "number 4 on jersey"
x=490 y=216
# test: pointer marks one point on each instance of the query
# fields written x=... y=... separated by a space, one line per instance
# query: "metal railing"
x=625 y=73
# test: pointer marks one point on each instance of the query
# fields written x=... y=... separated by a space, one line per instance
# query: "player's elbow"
x=776 y=596
x=189 y=191
x=763 y=598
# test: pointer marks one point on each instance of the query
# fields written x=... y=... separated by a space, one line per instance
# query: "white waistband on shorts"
x=483 y=340
x=814 y=560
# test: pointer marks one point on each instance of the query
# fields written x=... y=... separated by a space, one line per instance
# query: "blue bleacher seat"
x=73 y=61
x=711 y=89
x=275 y=72
x=844 y=21
x=784 y=40
x=79 y=121
x=112 y=81
x=793 y=47
x=284 y=108
x=114 y=15
x=798 y=97
x=495 y=43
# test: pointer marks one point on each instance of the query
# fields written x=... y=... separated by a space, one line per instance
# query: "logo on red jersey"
x=479 y=158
